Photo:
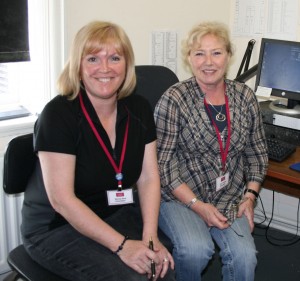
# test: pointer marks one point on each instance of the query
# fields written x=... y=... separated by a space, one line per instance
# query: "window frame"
x=50 y=23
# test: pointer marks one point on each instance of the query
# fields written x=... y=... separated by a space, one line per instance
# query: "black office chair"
x=19 y=161
x=153 y=81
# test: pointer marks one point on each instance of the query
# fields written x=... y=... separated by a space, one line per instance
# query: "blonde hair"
x=197 y=32
x=90 y=39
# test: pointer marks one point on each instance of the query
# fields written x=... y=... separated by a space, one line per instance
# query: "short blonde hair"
x=91 y=39
x=197 y=32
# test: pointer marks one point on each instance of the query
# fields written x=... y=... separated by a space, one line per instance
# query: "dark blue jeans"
x=75 y=257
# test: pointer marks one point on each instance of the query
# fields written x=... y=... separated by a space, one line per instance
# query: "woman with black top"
x=94 y=142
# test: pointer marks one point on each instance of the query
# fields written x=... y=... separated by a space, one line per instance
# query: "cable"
x=263 y=212
x=260 y=225
x=290 y=240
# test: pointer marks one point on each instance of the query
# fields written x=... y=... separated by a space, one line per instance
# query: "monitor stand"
x=281 y=106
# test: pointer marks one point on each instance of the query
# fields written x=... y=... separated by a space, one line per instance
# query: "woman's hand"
x=247 y=208
x=165 y=259
x=137 y=255
x=210 y=215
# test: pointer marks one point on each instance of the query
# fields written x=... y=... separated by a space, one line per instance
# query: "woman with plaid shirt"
x=212 y=158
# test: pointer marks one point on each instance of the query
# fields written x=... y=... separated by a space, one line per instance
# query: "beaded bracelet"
x=121 y=246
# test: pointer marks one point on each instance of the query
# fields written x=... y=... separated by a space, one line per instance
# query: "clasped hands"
x=214 y=218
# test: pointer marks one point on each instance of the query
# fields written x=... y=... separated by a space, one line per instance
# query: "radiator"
x=10 y=218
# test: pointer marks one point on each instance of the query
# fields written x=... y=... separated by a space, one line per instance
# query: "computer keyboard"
x=279 y=150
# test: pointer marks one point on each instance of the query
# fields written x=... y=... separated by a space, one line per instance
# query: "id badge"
x=122 y=197
x=222 y=181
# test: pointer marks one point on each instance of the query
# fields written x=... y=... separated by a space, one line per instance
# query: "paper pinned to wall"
x=164 y=49
x=282 y=19
x=266 y=18
x=249 y=18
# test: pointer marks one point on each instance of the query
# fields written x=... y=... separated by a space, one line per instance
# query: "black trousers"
x=75 y=257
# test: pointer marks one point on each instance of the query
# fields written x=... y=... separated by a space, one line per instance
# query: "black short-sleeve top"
x=63 y=128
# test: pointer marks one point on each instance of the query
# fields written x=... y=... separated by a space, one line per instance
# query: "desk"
x=281 y=178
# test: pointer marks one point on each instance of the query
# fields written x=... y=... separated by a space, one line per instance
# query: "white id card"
x=222 y=181
x=122 y=197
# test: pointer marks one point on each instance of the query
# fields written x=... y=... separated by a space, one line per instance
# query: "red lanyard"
x=224 y=153
x=118 y=170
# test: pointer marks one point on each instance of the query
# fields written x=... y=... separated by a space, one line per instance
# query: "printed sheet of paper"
x=164 y=49
x=266 y=18
x=249 y=18
x=282 y=19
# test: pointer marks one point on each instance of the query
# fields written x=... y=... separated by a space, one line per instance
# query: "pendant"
x=119 y=176
x=220 y=117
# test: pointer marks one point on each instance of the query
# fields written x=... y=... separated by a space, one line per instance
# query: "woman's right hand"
x=211 y=215
x=138 y=256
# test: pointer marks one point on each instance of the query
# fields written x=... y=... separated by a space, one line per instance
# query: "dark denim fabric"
x=78 y=258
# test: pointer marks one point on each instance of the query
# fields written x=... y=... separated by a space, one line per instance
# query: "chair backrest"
x=153 y=81
x=19 y=160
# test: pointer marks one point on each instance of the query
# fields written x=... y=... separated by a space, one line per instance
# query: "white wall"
x=140 y=17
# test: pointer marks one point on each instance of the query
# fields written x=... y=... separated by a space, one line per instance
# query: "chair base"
x=24 y=268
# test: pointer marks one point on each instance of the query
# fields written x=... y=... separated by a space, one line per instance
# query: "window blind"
x=14 y=43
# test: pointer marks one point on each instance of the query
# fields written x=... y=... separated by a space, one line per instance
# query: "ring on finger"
x=165 y=260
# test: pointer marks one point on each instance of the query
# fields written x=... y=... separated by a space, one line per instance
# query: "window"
x=31 y=84
x=3 y=79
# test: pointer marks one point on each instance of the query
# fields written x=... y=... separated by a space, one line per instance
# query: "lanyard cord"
x=223 y=152
x=117 y=169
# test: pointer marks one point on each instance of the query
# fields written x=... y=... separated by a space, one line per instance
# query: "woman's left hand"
x=166 y=259
x=247 y=208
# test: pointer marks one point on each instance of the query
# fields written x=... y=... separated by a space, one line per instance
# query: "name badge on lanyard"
x=122 y=197
x=223 y=180
x=119 y=196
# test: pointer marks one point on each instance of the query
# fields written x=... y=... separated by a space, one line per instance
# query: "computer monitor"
x=279 y=69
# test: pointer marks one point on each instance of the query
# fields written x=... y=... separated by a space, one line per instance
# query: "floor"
x=278 y=257
x=2 y=276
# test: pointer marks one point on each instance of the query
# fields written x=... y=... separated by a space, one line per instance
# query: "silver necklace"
x=220 y=116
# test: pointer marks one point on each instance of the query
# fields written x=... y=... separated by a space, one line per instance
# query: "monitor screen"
x=279 y=69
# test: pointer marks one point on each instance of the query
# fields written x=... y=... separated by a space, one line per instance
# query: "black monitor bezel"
x=290 y=95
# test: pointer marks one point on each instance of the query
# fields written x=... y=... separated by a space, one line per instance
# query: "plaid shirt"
x=189 y=151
